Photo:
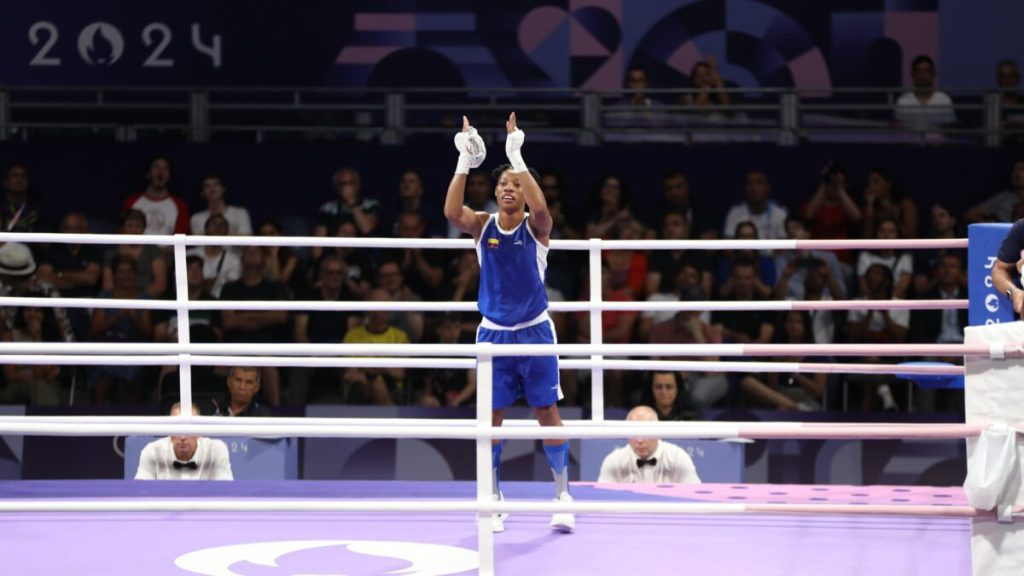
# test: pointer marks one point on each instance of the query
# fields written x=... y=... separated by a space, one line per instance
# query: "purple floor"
x=278 y=544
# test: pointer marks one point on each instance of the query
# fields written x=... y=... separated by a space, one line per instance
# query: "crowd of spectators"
x=835 y=209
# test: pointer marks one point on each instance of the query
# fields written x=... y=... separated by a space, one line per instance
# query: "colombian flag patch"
x=492 y=242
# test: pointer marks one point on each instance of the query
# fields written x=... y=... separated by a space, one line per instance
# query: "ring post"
x=484 y=471
x=184 y=338
x=596 y=333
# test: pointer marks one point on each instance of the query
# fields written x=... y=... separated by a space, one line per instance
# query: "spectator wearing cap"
x=18 y=278
x=648 y=460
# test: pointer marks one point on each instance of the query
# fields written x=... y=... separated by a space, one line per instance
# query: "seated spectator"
x=677 y=197
x=243 y=385
x=710 y=90
x=636 y=86
x=628 y=267
x=37 y=384
x=831 y=210
x=768 y=217
x=1008 y=81
x=350 y=206
x=999 y=207
x=818 y=285
x=795 y=263
x=479 y=197
x=927 y=262
x=882 y=201
x=888 y=327
x=764 y=280
x=900 y=264
x=924 y=107
x=120 y=325
x=941 y=327
x=648 y=460
x=165 y=327
x=744 y=327
x=359 y=264
x=422 y=269
x=150 y=265
x=609 y=207
x=181 y=457
x=281 y=262
x=449 y=387
x=687 y=280
x=788 y=391
x=666 y=392
x=391 y=280
x=164 y=212
x=237 y=217
x=464 y=270
x=411 y=201
x=18 y=278
x=256 y=326
x=381 y=386
x=17 y=211
x=220 y=264
x=664 y=265
x=74 y=269
x=321 y=327
x=703 y=389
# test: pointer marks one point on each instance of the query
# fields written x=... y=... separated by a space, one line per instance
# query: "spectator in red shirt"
x=165 y=213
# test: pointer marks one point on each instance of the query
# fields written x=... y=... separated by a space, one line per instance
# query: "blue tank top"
x=512 y=267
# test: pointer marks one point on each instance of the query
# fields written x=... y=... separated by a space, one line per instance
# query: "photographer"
x=831 y=210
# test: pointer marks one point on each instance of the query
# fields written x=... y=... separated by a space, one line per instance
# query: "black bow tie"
x=640 y=462
x=179 y=465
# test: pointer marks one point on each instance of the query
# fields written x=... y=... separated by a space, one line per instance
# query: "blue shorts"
x=532 y=377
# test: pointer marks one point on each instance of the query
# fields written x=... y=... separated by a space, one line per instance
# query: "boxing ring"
x=430 y=528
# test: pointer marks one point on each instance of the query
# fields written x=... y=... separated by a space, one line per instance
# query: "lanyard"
x=17 y=216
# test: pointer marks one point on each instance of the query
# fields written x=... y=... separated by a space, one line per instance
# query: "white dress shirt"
x=212 y=463
x=770 y=224
x=674 y=466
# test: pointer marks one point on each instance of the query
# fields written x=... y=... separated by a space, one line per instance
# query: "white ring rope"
x=469 y=430
x=421 y=306
x=1010 y=350
x=469 y=363
x=466 y=243
x=200 y=504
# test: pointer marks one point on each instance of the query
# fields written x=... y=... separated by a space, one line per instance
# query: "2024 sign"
x=103 y=44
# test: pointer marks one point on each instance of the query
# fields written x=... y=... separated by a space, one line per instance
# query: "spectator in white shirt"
x=768 y=217
x=924 y=107
x=212 y=193
x=648 y=460
x=999 y=206
x=184 y=457
x=220 y=265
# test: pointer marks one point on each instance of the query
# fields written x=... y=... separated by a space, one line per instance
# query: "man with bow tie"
x=648 y=460
x=184 y=457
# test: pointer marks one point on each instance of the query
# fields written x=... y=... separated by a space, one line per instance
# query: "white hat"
x=16 y=260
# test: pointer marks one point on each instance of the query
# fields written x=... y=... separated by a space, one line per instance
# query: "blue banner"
x=987 y=306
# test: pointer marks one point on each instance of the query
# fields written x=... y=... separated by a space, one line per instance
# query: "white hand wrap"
x=472 y=150
x=513 y=144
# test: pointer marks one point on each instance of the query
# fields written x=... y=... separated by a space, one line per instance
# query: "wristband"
x=517 y=162
x=1009 y=294
x=465 y=161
